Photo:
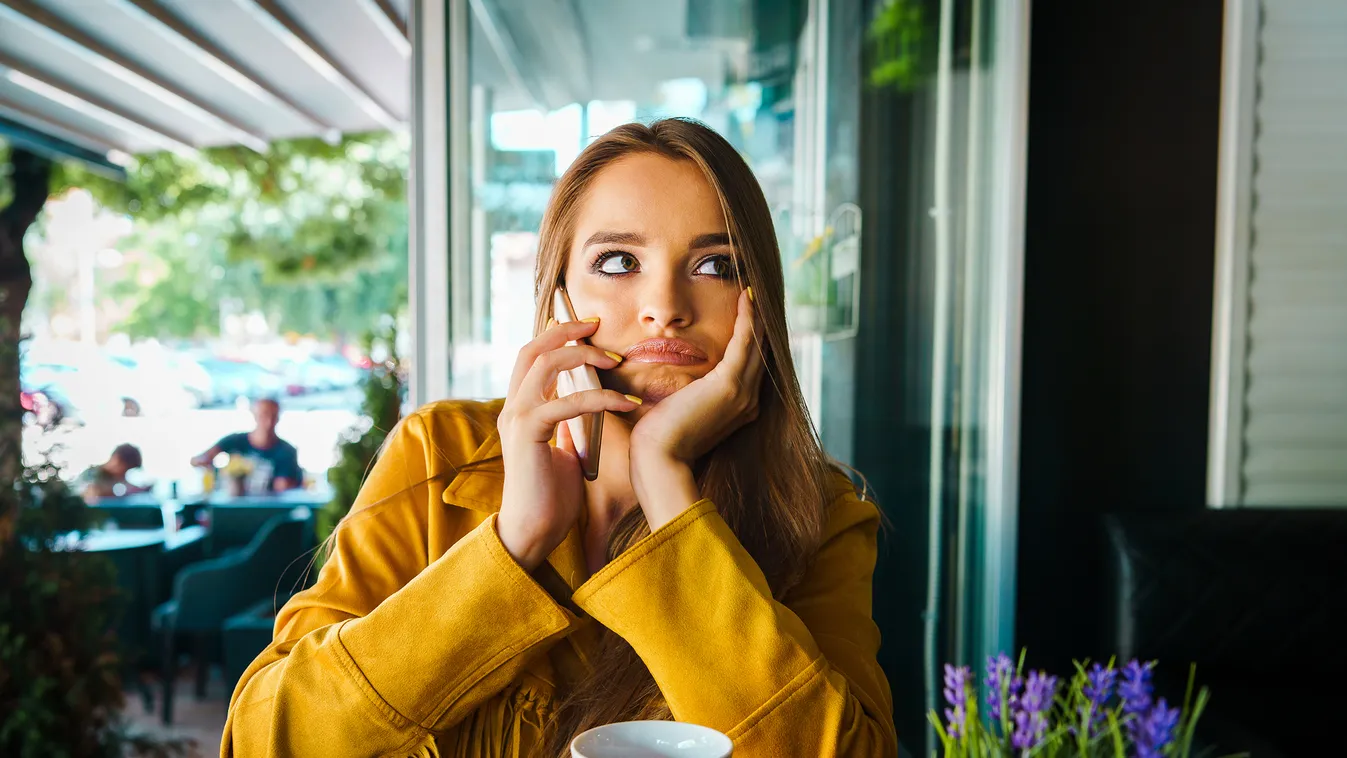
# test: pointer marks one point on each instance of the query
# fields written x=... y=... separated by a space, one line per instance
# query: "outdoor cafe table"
x=235 y=519
x=145 y=561
x=143 y=510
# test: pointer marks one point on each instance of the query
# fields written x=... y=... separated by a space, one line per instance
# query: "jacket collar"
x=481 y=480
x=479 y=486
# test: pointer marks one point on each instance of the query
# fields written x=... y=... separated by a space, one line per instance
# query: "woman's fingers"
x=742 y=363
x=564 y=439
x=538 y=381
x=544 y=419
x=756 y=358
x=550 y=339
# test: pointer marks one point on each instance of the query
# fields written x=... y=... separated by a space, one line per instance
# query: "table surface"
x=313 y=498
x=111 y=505
x=108 y=540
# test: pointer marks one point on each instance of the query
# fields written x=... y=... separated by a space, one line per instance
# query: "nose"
x=666 y=302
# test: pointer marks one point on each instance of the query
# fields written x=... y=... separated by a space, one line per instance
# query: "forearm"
x=751 y=667
x=205 y=458
x=664 y=486
x=424 y=659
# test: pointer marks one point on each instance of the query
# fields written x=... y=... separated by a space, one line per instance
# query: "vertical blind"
x=1294 y=430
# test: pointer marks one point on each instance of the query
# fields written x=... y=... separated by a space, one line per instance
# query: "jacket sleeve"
x=389 y=647
x=799 y=678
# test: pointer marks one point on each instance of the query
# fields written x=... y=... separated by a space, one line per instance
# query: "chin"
x=656 y=384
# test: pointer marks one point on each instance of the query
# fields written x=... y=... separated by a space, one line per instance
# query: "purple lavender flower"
x=1099 y=682
x=1030 y=713
x=1001 y=673
x=1135 y=689
x=954 y=718
x=957 y=690
x=1153 y=730
x=1098 y=689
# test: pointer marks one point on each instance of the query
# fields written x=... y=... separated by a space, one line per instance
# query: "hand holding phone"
x=586 y=430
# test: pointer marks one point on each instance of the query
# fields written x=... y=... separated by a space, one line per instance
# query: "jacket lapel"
x=479 y=486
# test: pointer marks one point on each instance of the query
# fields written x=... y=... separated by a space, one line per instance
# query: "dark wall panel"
x=1120 y=239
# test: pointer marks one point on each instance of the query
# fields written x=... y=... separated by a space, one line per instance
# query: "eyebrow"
x=701 y=241
x=720 y=239
x=615 y=238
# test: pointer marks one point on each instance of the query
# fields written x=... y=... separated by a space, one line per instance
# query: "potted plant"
x=60 y=663
x=384 y=387
x=1102 y=712
x=808 y=281
x=237 y=471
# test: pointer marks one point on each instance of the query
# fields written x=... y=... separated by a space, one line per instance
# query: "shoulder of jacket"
x=458 y=427
x=849 y=506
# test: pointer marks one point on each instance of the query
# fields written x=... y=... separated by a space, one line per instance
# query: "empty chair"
x=208 y=592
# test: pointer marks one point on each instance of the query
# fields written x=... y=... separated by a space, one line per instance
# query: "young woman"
x=483 y=599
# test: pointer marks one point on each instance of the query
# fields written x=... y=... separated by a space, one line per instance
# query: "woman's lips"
x=671 y=351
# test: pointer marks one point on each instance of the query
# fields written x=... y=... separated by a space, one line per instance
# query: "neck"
x=611 y=495
x=262 y=439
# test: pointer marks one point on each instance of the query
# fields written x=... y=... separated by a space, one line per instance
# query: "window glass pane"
x=780 y=85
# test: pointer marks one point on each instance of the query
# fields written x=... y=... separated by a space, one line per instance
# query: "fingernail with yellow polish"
x=551 y=322
x=612 y=355
x=634 y=399
x=591 y=320
x=750 y=294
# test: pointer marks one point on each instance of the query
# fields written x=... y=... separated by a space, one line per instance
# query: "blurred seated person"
x=109 y=479
x=275 y=459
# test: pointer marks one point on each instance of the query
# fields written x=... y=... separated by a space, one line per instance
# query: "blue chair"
x=130 y=516
x=205 y=594
x=246 y=634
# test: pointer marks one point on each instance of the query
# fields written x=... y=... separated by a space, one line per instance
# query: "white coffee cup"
x=651 y=739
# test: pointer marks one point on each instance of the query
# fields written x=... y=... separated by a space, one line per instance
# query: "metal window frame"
x=1234 y=206
x=1010 y=83
x=435 y=25
x=984 y=567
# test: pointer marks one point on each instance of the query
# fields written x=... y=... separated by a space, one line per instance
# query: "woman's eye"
x=718 y=266
x=617 y=263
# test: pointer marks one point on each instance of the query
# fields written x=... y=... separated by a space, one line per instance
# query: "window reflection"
x=762 y=73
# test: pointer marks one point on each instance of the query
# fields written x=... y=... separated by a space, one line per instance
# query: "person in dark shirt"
x=263 y=449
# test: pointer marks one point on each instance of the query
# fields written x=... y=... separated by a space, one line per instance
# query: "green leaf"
x=1115 y=732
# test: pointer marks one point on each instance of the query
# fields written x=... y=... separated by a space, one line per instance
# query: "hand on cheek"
x=689 y=423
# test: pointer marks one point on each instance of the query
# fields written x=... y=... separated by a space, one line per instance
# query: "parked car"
x=81 y=396
x=96 y=385
x=40 y=397
x=179 y=369
x=152 y=389
x=322 y=373
x=235 y=380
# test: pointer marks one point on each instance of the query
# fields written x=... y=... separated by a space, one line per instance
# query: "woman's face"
x=651 y=258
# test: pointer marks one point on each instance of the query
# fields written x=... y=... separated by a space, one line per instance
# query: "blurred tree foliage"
x=314 y=235
x=900 y=35
x=305 y=208
x=60 y=666
x=180 y=272
x=381 y=410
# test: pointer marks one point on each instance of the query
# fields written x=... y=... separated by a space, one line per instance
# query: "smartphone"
x=587 y=430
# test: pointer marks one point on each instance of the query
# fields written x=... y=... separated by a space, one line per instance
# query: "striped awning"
x=113 y=78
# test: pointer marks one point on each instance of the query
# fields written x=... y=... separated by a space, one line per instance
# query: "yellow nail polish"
x=551 y=322
x=612 y=355
x=750 y=294
x=591 y=320
x=634 y=399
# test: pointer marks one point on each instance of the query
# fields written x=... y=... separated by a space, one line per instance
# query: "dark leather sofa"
x=1257 y=598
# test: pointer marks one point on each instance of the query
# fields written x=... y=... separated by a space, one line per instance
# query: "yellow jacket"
x=423 y=637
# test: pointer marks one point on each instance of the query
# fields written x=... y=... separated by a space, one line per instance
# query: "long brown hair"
x=770 y=480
